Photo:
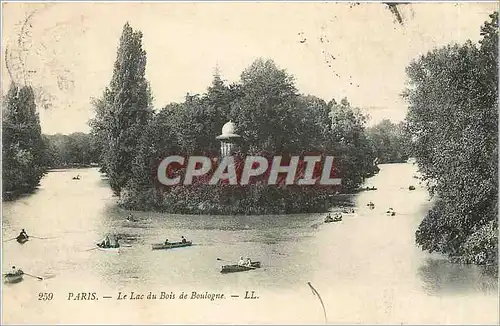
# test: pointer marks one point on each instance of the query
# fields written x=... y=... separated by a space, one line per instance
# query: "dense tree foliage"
x=273 y=119
x=348 y=141
x=390 y=141
x=24 y=150
x=124 y=110
x=76 y=149
x=453 y=117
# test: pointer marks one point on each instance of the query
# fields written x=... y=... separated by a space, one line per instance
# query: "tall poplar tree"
x=124 y=110
x=23 y=147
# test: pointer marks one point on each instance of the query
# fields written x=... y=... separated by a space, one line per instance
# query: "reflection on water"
x=441 y=277
x=367 y=267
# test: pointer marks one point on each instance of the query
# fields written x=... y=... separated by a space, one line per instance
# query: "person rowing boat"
x=246 y=262
x=106 y=243
x=15 y=275
x=131 y=218
x=22 y=237
x=329 y=218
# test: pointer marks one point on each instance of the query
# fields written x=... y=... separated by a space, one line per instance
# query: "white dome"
x=228 y=131
x=228 y=128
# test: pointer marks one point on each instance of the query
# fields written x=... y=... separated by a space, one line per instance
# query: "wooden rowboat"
x=157 y=246
x=14 y=277
x=115 y=249
x=238 y=268
x=333 y=219
x=112 y=250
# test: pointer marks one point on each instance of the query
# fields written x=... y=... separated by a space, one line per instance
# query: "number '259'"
x=45 y=296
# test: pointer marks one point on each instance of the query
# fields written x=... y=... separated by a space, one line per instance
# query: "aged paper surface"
x=335 y=79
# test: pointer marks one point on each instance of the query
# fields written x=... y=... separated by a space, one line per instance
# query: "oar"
x=43 y=238
x=10 y=239
x=38 y=277
x=225 y=260
x=92 y=249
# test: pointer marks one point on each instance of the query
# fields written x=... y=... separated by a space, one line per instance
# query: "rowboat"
x=333 y=219
x=14 y=277
x=110 y=244
x=112 y=250
x=115 y=248
x=239 y=268
x=157 y=246
x=22 y=240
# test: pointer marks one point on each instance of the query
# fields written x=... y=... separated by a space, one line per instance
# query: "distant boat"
x=330 y=219
x=110 y=244
x=22 y=240
x=76 y=178
x=131 y=218
x=14 y=277
x=239 y=268
x=172 y=245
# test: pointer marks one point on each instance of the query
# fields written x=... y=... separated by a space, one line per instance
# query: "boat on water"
x=239 y=268
x=22 y=240
x=131 y=218
x=14 y=277
x=336 y=218
x=110 y=244
x=110 y=249
x=157 y=246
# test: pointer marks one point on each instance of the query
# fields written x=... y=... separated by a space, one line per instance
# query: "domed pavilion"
x=228 y=139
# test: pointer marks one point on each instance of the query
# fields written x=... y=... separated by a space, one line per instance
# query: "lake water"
x=366 y=268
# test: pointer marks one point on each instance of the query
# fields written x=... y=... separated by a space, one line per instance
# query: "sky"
x=66 y=51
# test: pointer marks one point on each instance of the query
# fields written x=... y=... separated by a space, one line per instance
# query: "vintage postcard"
x=249 y=163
